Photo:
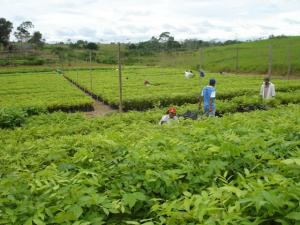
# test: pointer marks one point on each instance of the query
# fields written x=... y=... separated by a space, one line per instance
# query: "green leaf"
x=234 y=190
x=293 y=216
x=132 y=222
x=37 y=221
x=76 y=210
x=148 y=223
x=106 y=211
x=28 y=221
x=132 y=198
x=291 y=161
x=186 y=193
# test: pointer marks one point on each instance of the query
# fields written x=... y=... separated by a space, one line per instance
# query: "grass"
x=253 y=57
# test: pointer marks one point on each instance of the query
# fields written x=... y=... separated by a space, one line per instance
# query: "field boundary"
x=99 y=106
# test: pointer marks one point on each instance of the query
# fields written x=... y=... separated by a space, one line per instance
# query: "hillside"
x=253 y=57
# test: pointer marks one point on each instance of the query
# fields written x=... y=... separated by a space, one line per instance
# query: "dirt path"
x=100 y=109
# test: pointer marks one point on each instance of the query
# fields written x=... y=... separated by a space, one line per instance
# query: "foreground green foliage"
x=238 y=169
x=13 y=117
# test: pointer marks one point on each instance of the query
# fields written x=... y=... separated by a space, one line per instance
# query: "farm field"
x=49 y=91
x=67 y=169
x=52 y=68
x=26 y=94
x=168 y=86
x=59 y=168
x=128 y=113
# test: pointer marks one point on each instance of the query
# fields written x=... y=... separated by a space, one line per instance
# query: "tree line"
x=167 y=42
x=22 y=33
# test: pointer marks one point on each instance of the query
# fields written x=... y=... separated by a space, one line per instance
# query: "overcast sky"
x=136 y=20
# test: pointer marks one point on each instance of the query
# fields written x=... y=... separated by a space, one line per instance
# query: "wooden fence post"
x=270 y=60
x=91 y=78
x=120 y=80
x=289 y=61
x=201 y=58
x=237 y=66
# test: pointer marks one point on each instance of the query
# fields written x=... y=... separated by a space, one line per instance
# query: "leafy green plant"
x=11 y=117
x=241 y=168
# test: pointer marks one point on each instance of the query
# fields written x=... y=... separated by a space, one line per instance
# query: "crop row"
x=167 y=86
x=16 y=117
x=22 y=95
x=223 y=107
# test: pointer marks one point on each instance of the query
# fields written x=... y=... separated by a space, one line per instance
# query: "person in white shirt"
x=169 y=117
x=188 y=74
x=267 y=90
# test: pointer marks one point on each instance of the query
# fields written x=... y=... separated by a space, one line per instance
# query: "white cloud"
x=135 y=20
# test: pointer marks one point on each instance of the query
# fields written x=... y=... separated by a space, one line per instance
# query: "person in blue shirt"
x=209 y=97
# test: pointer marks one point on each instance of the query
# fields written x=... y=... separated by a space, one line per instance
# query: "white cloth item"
x=188 y=74
x=271 y=92
x=167 y=119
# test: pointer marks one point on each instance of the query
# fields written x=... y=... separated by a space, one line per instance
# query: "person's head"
x=212 y=82
x=172 y=112
x=267 y=80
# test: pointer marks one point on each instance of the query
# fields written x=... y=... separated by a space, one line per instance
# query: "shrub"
x=12 y=117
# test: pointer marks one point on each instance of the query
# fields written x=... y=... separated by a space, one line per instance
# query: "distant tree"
x=78 y=44
x=271 y=36
x=37 y=39
x=164 y=37
x=171 y=43
x=278 y=36
x=132 y=46
x=81 y=42
x=22 y=33
x=154 y=43
x=61 y=52
x=230 y=42
x=74 y=45
x=91 y=46
x=5 y=30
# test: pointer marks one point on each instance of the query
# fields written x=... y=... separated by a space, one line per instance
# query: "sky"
x=138 y=20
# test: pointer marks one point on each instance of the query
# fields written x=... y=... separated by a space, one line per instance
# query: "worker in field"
x=188 y=74
x=209 y=98
x=169 y=117
x=146 y=83
x=201 y=73
x=267 y=90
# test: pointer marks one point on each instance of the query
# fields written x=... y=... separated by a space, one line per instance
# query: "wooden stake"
x=77 y=70
x=120 y=80
x=289 y=61
x=270 y=60
x=91 y=79
x=237 y=66
x=201 y=58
